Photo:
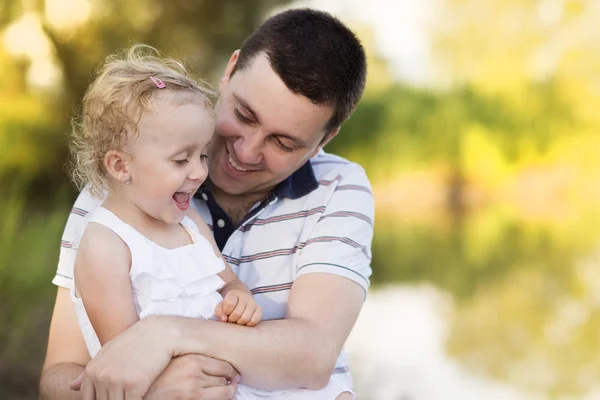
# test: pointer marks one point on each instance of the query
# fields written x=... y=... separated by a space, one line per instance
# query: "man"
x=294 y=223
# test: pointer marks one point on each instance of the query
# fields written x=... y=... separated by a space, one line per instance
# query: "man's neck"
x=237 y=206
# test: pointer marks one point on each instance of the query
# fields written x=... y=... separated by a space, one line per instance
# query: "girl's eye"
x=203 y=157
x=181 y=162
x=241 y=117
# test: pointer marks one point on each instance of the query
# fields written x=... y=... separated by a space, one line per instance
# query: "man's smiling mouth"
x=234 y=164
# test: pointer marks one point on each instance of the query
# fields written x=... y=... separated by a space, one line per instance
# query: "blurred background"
x=479 y=131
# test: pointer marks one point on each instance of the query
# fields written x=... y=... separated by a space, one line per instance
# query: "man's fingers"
x=213 y=381
x=220 y=392
x=220 y=368
x=229 y=303
x=117 y=394
x=76 y=384
x=132 y=396
x=87 y=390
x=101 y=394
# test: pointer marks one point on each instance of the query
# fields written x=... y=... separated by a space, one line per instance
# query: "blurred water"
x=397 y=351
x=487 y=306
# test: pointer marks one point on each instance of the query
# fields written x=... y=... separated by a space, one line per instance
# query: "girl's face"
x=169 y=157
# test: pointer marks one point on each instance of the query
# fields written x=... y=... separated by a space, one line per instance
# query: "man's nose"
x=248 y=148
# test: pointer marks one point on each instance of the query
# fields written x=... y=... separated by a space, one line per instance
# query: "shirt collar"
x=299 y=184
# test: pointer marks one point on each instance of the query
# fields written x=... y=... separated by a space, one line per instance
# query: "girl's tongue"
x=182 y=199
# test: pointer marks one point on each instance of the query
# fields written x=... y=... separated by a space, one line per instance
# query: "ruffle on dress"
x=181 y=281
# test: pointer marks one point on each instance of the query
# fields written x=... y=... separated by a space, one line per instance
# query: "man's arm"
x=299 y=351
x=66 y=355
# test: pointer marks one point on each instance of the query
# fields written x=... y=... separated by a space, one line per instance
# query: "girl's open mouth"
x=182 y=199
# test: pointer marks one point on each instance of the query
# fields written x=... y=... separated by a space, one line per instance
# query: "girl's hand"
x=239 y=307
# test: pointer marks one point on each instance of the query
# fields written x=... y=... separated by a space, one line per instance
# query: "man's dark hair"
x=315 y=55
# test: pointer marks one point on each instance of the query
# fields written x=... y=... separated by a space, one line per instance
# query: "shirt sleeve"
x=76 y=224
x=340 y=242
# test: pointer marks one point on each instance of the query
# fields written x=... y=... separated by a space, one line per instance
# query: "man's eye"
x=283 y=146
x=241 y=117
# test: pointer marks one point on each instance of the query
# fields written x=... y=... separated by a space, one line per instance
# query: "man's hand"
x=239 y=307
x=126 y=366
x=195 y=376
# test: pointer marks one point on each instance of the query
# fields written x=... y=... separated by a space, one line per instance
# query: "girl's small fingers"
x=219 y=313
x=246 y=316
x=237 y=313
x=256 y=317
x=230 y=302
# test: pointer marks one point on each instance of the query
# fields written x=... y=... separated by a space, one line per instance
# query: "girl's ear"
x=115 y=163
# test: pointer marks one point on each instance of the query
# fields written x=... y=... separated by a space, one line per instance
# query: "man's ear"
x=115 y=163
x=326 y=140
x=229 y=70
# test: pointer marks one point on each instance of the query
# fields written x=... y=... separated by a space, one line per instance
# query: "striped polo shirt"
x=319 y=220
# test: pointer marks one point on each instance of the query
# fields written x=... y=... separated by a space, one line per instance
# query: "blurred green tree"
x=515 y=72
x=80 y=36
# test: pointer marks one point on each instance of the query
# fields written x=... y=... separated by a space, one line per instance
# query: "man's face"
x=263 y=132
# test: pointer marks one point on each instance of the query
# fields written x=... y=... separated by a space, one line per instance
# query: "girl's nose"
x=199 y=170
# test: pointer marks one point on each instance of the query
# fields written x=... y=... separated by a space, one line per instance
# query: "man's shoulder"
x=84 y=205
x=86 y=201
x=328 y=167
x=72 y=234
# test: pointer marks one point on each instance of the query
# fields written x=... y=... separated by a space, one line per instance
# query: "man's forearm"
x=281 y=354
x=55 y=381
x=299 y=351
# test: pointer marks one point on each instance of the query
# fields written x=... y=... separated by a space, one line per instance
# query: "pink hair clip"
x=159 y=84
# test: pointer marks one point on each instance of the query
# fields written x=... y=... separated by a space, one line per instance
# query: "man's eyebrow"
x=244 y=103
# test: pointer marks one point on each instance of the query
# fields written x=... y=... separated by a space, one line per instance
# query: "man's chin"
x=227 y=185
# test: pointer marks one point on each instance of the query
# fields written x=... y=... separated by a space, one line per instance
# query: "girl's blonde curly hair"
x=114 y=104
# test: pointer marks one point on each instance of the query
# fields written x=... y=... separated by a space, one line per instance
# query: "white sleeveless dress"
x=180 y=282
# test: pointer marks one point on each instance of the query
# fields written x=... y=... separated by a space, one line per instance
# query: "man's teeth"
x=234 y=165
